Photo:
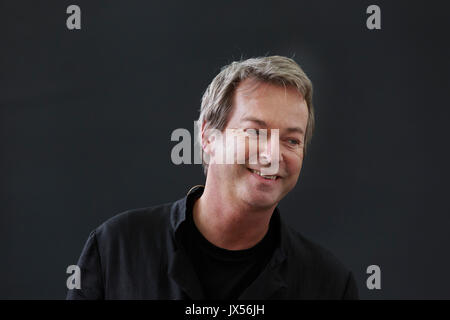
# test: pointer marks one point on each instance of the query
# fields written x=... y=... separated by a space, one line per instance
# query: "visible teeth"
x=265 y=177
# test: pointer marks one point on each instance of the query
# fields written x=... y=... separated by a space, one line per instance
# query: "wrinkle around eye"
x=252 y=131
x=290 y=141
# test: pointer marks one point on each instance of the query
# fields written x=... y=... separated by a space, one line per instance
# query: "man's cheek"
x=251 y=151
x=241 y=152
x=235 y=151
x=275 y=155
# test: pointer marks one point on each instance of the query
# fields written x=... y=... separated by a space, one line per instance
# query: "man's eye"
x=294 y=142
x=252 y=132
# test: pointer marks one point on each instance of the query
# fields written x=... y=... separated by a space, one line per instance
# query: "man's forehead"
x=257 y=104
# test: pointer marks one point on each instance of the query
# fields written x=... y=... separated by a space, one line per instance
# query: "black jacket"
x=139 y=254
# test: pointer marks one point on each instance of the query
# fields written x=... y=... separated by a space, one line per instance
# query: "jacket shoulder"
x=322 y=274
x=129 y=243
x=320 y=256
x=135 y=223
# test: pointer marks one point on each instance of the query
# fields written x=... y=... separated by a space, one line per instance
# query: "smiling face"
x=257 y=106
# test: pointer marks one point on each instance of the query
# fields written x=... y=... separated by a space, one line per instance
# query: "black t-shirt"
x=225 y=274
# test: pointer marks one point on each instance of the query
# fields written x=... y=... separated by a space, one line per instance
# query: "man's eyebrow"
x=264 y=124
x=295 y=129
x=256 y=120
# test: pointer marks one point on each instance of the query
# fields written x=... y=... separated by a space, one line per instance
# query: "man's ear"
x=212 y=140
x=206 y=139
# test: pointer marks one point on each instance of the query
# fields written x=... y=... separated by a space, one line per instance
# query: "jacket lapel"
x=180 y=267
x=269 y=284
x=183 y=273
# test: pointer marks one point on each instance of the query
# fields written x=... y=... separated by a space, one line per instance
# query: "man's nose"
x=265 y=154
x=268 y=151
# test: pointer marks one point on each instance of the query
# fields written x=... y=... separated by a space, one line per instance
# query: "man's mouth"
x=267 y=177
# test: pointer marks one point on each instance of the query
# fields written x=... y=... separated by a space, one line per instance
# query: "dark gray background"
x=86 y=118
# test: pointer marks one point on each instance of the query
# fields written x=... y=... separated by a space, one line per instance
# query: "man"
x=226 y=239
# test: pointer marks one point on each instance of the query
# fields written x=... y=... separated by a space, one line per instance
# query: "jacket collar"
x=270 y=283
x=179 y=208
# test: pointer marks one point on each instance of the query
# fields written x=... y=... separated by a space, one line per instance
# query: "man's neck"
x=228 y=223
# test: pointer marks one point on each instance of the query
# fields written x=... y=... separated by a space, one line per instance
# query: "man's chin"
x=261 y=201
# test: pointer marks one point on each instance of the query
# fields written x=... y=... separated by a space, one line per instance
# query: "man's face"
x=266 y=106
